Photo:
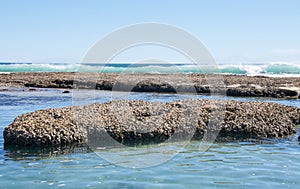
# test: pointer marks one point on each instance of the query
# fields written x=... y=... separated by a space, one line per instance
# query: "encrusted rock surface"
x=137 y=120
x=234 y=85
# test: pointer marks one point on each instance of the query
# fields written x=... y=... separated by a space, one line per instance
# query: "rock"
x=66 y=91
x=290 y=92
x=3 y=89
x=143 y=121
x=234 y=85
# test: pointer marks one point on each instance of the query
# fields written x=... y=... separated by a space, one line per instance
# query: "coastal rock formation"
x=136 y=120
x=234 y=85
x=258 y=91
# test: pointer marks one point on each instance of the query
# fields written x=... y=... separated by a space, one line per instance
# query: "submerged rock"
x=136 y=120
x=66 y=91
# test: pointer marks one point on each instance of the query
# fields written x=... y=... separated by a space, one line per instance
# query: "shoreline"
x=231 y=85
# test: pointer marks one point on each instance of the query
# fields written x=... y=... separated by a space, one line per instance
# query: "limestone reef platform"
x=231 y=85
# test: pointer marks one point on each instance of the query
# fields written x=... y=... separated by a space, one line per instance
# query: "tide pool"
x=248 y=164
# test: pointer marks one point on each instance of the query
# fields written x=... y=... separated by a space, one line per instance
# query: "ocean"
x=268 y=69
x=238 y=164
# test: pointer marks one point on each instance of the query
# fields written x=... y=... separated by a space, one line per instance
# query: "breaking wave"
x=243 y=69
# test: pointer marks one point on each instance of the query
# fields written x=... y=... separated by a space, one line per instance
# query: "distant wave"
x=243 y=69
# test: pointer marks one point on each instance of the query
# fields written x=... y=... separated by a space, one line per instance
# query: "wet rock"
x=135 y=120
x=289 y=92
x=3 y=89
x=66 y=91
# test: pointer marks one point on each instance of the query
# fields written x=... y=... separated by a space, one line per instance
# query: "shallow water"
x=269 y=163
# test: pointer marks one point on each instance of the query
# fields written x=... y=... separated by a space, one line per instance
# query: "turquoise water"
x=251 y=164
x=250 y=69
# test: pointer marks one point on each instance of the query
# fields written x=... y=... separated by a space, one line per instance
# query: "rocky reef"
x=233 y=85
x=136 y=120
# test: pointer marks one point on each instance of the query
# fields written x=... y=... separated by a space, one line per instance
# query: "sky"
x=234 y=31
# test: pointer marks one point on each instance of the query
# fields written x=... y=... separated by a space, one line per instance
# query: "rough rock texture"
x=135 y=120
x=233 y=85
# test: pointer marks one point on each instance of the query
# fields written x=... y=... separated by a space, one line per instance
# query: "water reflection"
x=190 y=147
x=38 y=153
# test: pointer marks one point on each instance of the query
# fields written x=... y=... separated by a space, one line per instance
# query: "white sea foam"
x=268 y=69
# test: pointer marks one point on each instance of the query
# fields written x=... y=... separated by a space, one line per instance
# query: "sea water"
x=247 y=164
x=268 y=69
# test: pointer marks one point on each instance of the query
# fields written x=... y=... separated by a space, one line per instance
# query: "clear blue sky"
x=237 y=31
